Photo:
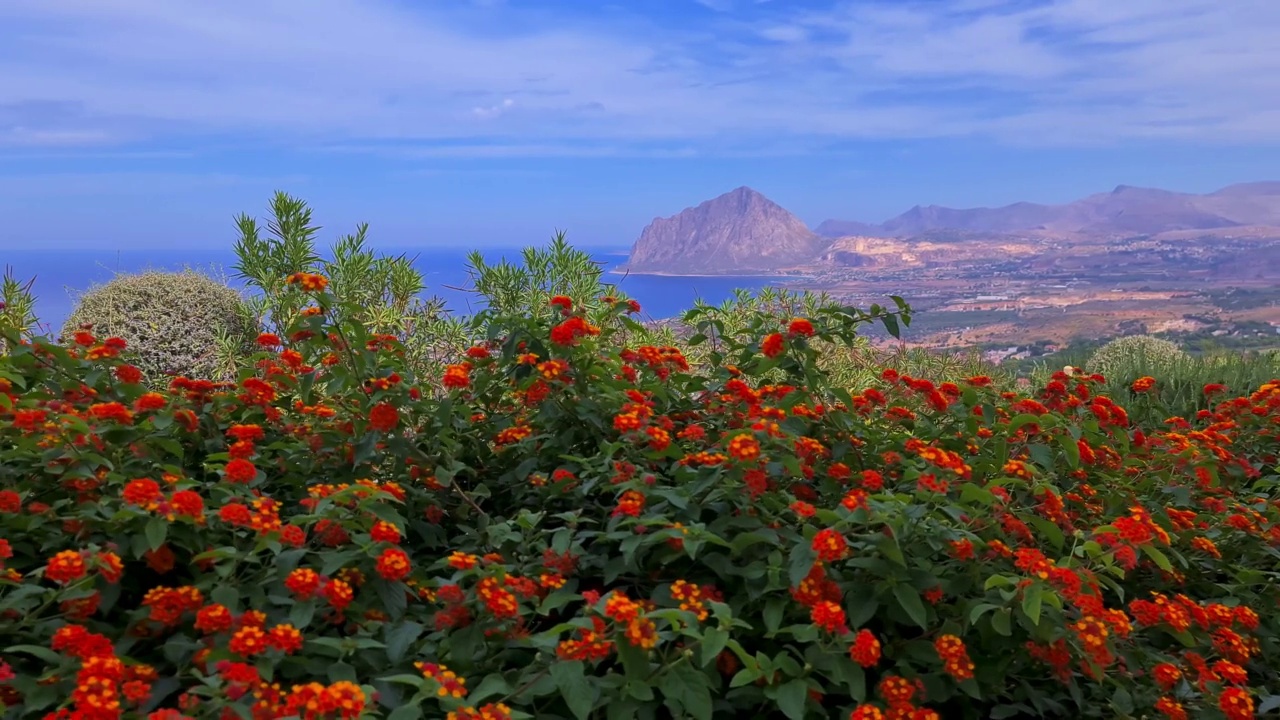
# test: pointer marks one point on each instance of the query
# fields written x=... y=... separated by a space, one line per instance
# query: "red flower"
x=240 y=471
x=385 y=532
x=10 y=501
x=830 y=545
x=866 y=649
x=128 y=374
x=143 y=492
x=772 y=345
x=829 y=616
x=384 y=417
x=393 y=564
x=65 y=567
x=800 y=327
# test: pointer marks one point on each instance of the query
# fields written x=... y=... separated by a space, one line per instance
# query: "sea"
x=60 y=275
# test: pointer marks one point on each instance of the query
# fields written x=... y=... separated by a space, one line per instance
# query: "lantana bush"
x=568 y=526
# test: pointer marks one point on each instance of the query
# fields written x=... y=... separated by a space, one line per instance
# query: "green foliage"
x=507 y=288
x=609 y=531
x=381 y=293
x=183 y=323
x=17 y=308
x=1128 y=358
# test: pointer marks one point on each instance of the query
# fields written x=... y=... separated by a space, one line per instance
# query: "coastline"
x=658 y=273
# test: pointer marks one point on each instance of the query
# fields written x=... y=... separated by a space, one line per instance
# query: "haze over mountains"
x=743 y=231
x=1126 y=209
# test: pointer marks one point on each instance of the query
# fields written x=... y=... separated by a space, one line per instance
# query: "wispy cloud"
x=511 y=78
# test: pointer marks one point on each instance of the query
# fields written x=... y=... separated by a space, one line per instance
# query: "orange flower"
x=394 y=564
x=309 y=282
x=1143 y=384
x=248 y=641
x=829 y=616
x=65 y=567
x=955 y=658
x=459 y=560
x=631 y=504
x=642 y=633
x=450 y=685
x=303 y=582
x=385 y=532
x=744 y=447
x=800 y=327
x=1236 y=704
x=458 y=375
x=285 y=638
x=214 y=618
x=830 y=545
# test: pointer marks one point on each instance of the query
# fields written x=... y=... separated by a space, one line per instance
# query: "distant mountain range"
x=743 y=231
x=1125 y=210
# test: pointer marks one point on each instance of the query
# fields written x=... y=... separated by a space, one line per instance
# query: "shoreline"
x=658 y=273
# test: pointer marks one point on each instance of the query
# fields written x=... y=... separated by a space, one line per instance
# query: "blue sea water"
x=59 y=275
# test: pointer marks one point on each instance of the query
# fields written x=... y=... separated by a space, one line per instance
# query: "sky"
x=140 y=123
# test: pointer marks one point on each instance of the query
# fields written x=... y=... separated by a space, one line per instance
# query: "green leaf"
x=1122 y=701
x=1032 y=601
x=578 y=693
x=43 y=653
x=157 y=530
x=979 y=610
x=891 y=325
x=227 y=596
x=687 y=686
x=393 y=597
x=1021 y=421
x=1267 y=704
x=400 y=638
x=792 y=697
x=802 y=559
x=635 y=661
x=909 y=600
x=1160 y=559
x=773 y=610
x=406 y=712
x=890 y=549
x=301 y=613
x=713 y=641
x=1001 y=623
x=1071 y=450
x=490 y=686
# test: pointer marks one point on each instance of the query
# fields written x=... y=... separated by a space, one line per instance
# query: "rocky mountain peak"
x=739 y=231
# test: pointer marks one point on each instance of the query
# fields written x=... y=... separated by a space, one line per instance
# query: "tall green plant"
x=382 y=293
x=17 y=308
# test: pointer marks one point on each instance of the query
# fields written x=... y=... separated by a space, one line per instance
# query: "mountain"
x=847 y=228
x=1123 y=211
x=740 y=231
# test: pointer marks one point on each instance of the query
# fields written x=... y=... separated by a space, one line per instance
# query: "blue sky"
x=128 y=123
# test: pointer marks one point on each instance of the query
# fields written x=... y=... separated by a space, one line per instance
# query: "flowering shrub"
x=570 y=527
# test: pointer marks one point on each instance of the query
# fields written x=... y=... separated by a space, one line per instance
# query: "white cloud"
x=493 y=111
x=82 y=72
